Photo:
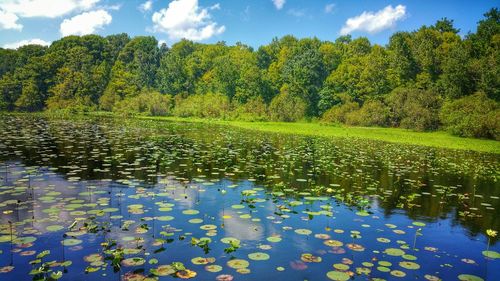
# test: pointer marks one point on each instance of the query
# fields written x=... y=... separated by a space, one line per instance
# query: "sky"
x=252 y=22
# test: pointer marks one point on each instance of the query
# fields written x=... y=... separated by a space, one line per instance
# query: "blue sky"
x=253 y=22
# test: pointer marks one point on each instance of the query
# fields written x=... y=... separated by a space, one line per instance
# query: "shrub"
x=286 y=107
x=338 y=113
x=253 y=110
x=414 y=109
x=372 y=113
x=472 y=116
x=146 y=103
x=203 y=106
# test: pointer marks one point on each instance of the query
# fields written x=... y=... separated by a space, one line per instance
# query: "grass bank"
x=433 y=139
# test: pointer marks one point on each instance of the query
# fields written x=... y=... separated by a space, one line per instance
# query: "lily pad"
x=238 y=263
x=337 y=275
x=71 y=242
x=258 y=256
x=491 y=254
x=409 y=265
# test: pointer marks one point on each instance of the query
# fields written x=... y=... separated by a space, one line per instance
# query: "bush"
x=287 y=108
x=203 y=106
x=146 y=103
x=253 y=110
x=472 y=116
x=75 y=105
x=338 y=114
x=414 y=109
x=372 y=113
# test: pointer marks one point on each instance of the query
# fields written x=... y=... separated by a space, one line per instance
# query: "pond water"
x=109 y=199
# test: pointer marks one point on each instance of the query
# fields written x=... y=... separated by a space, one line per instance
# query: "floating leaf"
x=258 y=256
x=238 y=263
x=338 y=276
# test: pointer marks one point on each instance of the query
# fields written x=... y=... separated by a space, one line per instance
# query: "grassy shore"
x=433 y=139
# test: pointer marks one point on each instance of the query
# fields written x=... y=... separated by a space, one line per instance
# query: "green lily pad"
x=135 y=261
x=238 y=263
x=273 y=239
x=163 y=270
x=338 y=275
x=190 y=212
x=258 y=256
x=303 y=231
x=229 y=240
x=213 y=268
x=469 y=277
x=165 y=218
x=491 y=254
x=54 y=228
x=409 y=265
x=195 y=221
x=398 y=273
x=341 y=266
x=394 y=252
x=71 y=242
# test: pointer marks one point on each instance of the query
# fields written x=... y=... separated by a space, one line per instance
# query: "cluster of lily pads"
x=128 y=198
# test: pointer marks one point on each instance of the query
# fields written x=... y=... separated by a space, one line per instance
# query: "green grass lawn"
x=434 y=139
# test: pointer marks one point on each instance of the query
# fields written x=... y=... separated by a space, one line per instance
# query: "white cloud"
x=329 y=8
x=146 y=6
x=86 y=23
x=45 y=8
x=18 y=44
x=185 y=19
x=374 y=22
x=279 y=4
x=9 y=21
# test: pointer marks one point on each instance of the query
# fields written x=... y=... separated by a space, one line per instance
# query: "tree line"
x=426 y=79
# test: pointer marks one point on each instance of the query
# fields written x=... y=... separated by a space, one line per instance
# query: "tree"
x=119 y=87
x=472 y=116
x=445 y=25
x=414 y=108
x=286 y=107
x=456 y=78
x=10 y=90
x=304 y=74
x=403 y=68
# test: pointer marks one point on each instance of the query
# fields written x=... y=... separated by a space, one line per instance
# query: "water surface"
x=181 y=199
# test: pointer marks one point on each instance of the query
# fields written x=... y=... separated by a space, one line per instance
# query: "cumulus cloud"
x=45 y=8
x=146 y=6
x=18 y=44
x=9 y=21
x=373 y=22
x=186 y=19
x=85 y=23
x=279 y=4
x=329 y=8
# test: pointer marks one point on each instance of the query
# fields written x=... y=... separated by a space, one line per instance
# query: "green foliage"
x=372 y=113
x=472 y=116
x=253 y=110
x=286 y=107
x=414 y=108
x=338 y=114
x=203 y=106
x=10 y=89
x=146 y=103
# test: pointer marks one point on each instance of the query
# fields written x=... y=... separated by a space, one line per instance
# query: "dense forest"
x=427 y=79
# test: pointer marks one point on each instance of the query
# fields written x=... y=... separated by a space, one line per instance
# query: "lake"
x=123 y=199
